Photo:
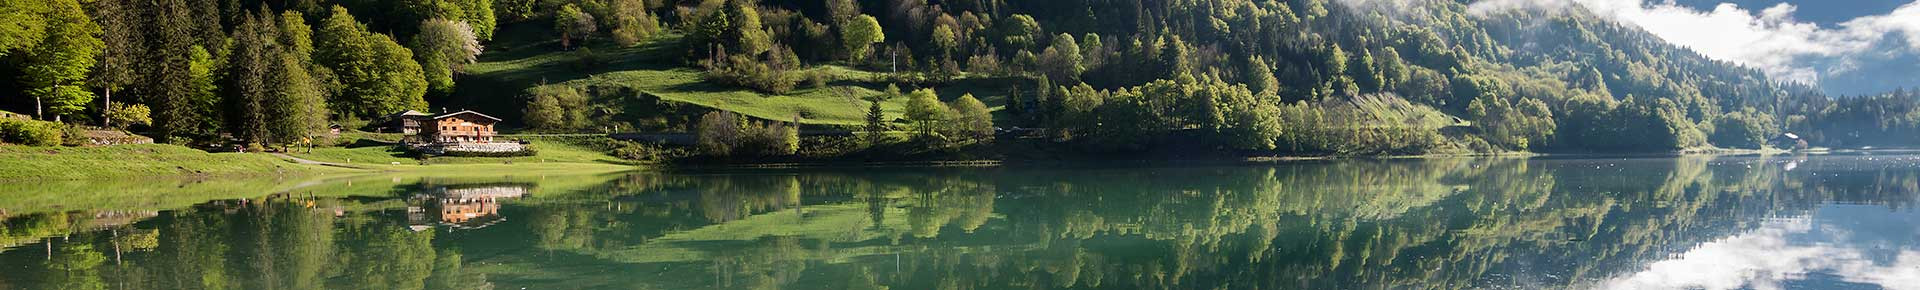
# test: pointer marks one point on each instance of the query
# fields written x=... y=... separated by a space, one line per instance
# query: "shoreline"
x=173 y=162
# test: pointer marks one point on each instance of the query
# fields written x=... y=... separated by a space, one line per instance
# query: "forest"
x=1258 y=77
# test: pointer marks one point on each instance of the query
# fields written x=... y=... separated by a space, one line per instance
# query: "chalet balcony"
x=465 y=133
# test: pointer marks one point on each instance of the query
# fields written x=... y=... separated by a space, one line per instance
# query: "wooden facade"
x=460 y=127
x=463 y=127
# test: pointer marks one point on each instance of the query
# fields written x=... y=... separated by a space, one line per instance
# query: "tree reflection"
x=1426 y=223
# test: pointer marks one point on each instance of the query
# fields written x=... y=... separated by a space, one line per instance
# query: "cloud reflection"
x=1837 y=245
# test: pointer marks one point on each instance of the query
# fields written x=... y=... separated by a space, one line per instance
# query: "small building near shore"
x=457 y=132
x=406 y=122
x=459 y=127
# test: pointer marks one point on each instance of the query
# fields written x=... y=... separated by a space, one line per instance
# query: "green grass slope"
x=525 y=56
x=28 y=163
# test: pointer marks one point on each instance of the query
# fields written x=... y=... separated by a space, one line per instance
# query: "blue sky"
x=1826 y=13
x=1844 y=47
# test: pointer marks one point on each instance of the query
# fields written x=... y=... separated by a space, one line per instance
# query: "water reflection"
x=1838 y=246
x=1717 y=223
x=462 y=207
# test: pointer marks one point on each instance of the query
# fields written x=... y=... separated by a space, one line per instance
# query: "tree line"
x=1520 y=80
x=264 y=72
x=1270 y=76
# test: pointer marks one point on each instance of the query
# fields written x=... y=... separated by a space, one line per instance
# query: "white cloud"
x=1769 y=39
x=1763 y=258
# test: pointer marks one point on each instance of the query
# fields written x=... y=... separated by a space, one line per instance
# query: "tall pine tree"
x=122 y=47
x=246 y=84
x=296 y=103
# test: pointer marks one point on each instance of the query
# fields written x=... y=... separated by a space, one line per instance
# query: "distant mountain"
x=1843 y=47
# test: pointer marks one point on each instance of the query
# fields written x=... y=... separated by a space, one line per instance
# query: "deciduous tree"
x=573 y=24
x=375 y=75
x=54 y=69
x=971 y=118
x=443 y=47
x=859 y=34
x=925 y=111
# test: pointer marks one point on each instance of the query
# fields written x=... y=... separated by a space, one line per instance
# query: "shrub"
x=634 y=151
x=772 y=74
x=722 y=134
x=832 y=146
x=718 y=133
x=126 y=115
x=72 y=135
x=30 y=133
x=555 y=107
x=816 y=80
x=586 y=60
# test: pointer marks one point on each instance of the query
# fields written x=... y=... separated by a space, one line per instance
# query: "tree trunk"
x=106 y=110
x=37 y=107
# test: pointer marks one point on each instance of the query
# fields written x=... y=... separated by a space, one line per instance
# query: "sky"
x=1823 y=12
x=1844 y=47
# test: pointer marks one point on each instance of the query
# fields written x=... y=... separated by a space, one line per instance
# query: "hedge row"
x=31 y=133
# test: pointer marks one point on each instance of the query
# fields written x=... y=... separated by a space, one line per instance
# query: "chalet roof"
x=442 y=116
x=409 y=113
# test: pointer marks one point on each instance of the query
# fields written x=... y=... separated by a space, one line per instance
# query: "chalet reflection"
x=460 y=207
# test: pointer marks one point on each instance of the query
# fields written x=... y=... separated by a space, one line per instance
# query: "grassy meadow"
x=525 y=57
x=24 y=162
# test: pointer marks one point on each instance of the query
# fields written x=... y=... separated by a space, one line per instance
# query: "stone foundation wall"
x=444 y=148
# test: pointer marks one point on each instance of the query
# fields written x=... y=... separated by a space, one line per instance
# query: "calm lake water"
x=1794 y=222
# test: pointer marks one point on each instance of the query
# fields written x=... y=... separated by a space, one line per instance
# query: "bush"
x=30 y=133
x=832 y=146
x=772 y=74
x=718 y=133
x=722 y=134
x=772 y=139
x=73 y=135
x=586 y=60
x=126 y=115
x=556 y=108
x=745 y=72
x=637 y=151
x=817 y=80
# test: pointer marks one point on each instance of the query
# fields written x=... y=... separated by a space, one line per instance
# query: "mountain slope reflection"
x=1433 y=223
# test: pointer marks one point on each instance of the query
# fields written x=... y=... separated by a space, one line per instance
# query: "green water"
x=1795 y=222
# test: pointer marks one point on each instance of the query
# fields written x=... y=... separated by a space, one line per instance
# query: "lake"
x=1842 y=221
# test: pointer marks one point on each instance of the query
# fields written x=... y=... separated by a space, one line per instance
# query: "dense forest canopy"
x=1293 y=76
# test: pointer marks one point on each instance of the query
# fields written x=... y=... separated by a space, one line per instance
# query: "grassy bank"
x=552 y=151
x=25 y=163
x=555 y=154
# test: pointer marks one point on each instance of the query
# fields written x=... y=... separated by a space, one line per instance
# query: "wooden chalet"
x=459 y=127
x=462 y=131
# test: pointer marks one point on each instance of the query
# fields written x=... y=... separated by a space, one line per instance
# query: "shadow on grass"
x=499 y=92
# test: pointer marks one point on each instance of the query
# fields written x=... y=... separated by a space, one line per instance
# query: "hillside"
x=1101 y=77
x=1435 y=55
x=635 y=77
